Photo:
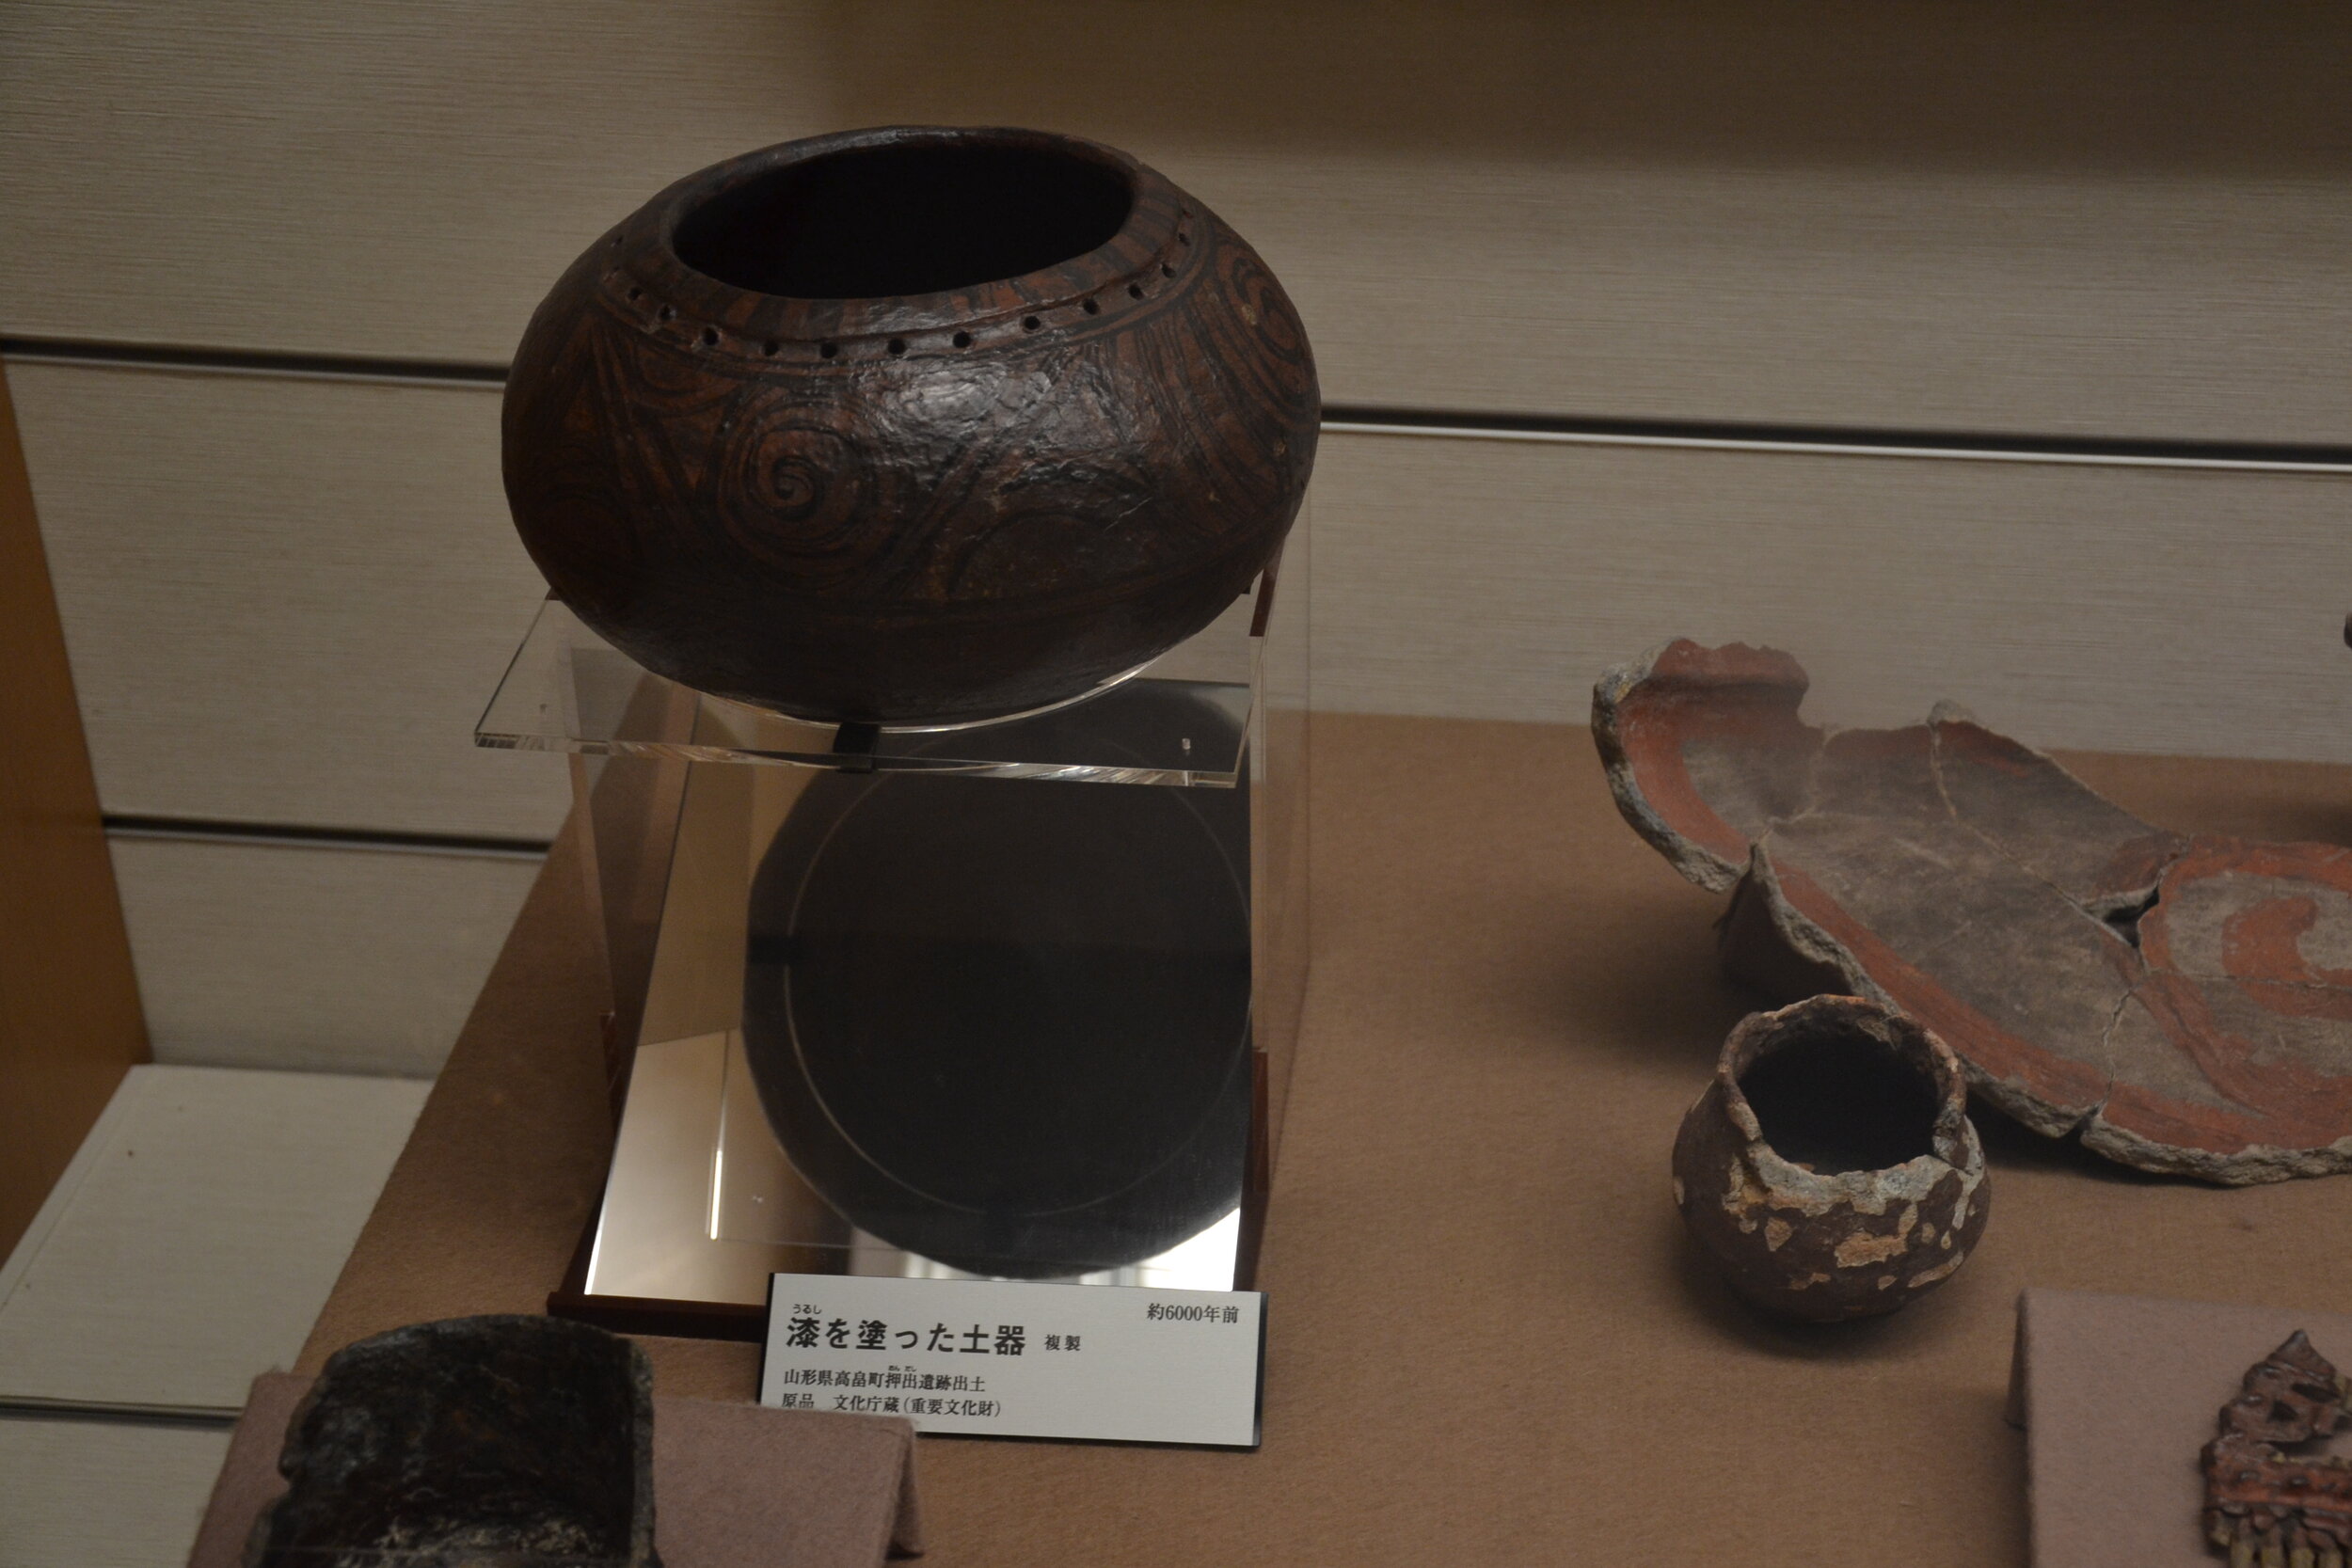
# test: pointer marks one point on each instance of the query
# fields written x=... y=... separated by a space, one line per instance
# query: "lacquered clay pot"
x=1830 y=1170
x=911 y=425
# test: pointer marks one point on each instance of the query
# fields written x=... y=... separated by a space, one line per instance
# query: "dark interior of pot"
x=905 y=219
x=1837 y=1100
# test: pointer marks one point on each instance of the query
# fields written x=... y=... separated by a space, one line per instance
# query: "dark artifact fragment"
x=1830 y=1170
x=1007 y=1026
x=910 y=425
x=493 y=1442
x=2185 y=1002
x=2262 y=1506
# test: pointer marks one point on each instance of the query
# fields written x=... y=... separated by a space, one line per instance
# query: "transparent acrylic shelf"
x=570 y=691
x=871 y=1011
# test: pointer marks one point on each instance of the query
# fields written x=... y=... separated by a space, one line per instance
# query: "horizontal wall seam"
x=1367 y=419
x=1858 y=444
x=28 y=1407
x=228 y=361
x=301 y=836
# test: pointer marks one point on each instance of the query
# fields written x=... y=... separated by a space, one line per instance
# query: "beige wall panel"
x=286 y=601
x=391 y=179
x=1994 y=217
x=2004 y=216
x=104 y=1493
x=212 y=1211
x=2099 y=608
x=340 y=960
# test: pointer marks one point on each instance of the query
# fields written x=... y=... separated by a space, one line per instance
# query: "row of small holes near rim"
x=828 y=349
x=1091 y=306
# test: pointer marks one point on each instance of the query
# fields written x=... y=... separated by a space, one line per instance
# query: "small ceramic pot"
x=1830 y=1169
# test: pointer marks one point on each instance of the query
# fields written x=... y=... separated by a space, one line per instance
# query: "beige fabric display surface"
x=2118 y=1395
x=734 y=1485
x=1488 y=1342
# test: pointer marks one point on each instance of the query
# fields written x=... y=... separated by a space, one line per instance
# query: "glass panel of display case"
x=1006 y=999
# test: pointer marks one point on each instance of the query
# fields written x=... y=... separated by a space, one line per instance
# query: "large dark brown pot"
x=910 y=425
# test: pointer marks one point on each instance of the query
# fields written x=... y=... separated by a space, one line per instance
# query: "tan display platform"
x=1488 y=1343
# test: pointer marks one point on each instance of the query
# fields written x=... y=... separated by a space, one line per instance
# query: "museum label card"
x=1001 y=1359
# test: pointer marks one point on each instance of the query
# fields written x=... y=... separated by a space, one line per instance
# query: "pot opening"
x=905 y=219
x=1840 y=1101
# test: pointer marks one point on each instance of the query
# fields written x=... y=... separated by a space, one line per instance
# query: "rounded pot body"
x=910 y=425
x=1830 y=1169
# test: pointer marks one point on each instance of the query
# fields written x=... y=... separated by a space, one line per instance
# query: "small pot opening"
x=905 y=219
x=1838 y=1103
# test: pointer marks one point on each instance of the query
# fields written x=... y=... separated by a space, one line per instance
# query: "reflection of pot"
x=1004 y=1023
x=911 y=425
x=1830 y=1169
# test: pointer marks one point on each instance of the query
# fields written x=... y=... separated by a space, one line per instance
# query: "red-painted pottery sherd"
x=910 y=425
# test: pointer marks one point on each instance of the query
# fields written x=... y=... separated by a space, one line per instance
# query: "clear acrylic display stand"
x=1015 y=999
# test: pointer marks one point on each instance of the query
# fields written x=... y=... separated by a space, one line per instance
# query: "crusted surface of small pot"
x=1818 y=1244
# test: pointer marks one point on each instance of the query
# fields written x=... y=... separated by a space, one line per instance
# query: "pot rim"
x=1155 y=246
x=1953 y=1140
